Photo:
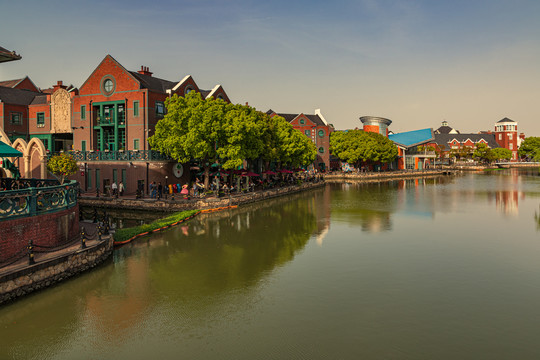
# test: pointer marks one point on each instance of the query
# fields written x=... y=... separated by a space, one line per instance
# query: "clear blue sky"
x=417 y=63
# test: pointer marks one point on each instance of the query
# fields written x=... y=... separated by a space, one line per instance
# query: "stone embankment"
x=21 y=279
x=385 y=175
x=181 y=204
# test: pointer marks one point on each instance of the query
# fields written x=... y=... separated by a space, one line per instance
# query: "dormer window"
x=188 y=90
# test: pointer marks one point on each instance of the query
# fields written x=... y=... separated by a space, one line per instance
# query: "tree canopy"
x=530 y=148
x=501 y=154
x=214 y=131
x=62 y=165
x=357 y=146
x=483 y=153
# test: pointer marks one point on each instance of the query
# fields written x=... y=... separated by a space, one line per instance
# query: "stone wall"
x=385 y=175
x=181 y=205
x=46 y=273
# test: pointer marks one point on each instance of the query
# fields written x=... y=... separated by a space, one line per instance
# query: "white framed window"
x=40 y=119
x=160 y=108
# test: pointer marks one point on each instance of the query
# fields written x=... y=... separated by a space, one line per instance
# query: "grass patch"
x=493 y=169
x=124 y=234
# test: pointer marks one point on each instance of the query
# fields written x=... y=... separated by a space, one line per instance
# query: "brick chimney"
x=59 y=85
x=145 y=70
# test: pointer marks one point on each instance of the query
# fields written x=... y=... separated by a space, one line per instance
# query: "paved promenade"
x=41 y=257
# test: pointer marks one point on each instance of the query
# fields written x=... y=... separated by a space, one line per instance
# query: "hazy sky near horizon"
x=415 y=62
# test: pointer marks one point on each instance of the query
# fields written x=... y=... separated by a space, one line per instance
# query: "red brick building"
x=317 y=129
x=114 y=113
x=507 y=137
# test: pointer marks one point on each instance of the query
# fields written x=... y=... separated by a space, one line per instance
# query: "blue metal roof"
x=412 y=138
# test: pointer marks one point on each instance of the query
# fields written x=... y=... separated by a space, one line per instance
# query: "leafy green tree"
x=244 y=131
x=356 y=146
x=462 y=153
x=530 y=148
x=191 y=129
x=286 y=145
x=483 y=153
x=501 y=154
x=62 y=165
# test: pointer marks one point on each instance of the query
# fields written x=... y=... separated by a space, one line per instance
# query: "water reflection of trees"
x=370 y=204
x=232 y=249
x=366 y=204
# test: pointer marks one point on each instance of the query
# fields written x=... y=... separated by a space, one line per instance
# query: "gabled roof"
x=445 y=130
x=506 y=120
x=412 y=138
x=444 y=139
x=11 y=83
x=213 y=91
x=181 y=82
x=17 y=96
x=108 y=56
x=290 y=117
x=153 y=83
x=16 y=82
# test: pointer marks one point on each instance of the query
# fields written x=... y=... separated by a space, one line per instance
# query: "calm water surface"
x=445 y=268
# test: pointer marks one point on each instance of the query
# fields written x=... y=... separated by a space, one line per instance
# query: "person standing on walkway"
x=153 y=190
x=114 y=188
x=121 y=188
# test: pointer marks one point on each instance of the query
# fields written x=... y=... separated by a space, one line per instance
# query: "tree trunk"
x=206 y=177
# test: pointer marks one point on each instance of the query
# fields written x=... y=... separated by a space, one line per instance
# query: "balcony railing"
x=129 y=155
x=32 y=201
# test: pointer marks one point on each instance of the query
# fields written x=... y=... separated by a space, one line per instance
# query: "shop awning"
x=8 y=151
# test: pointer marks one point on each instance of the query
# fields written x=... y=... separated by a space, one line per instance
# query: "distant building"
x=445 y=129
x=317 y=129
x=413 y=155
x=410 y=156
x=21 y=84
x=506 y=135
x=375 y=124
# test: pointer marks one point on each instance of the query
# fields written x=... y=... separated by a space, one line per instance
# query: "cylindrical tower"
x=376 y=124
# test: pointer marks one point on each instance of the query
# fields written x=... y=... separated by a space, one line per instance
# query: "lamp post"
x=166 y=186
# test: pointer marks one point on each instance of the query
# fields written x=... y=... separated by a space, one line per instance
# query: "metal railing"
x=129 y=155
x=32 y=201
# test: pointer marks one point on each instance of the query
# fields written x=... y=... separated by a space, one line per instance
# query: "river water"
x=445 y=268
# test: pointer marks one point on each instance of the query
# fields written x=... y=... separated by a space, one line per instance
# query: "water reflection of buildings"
x=371 y=204
x=507 y=201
